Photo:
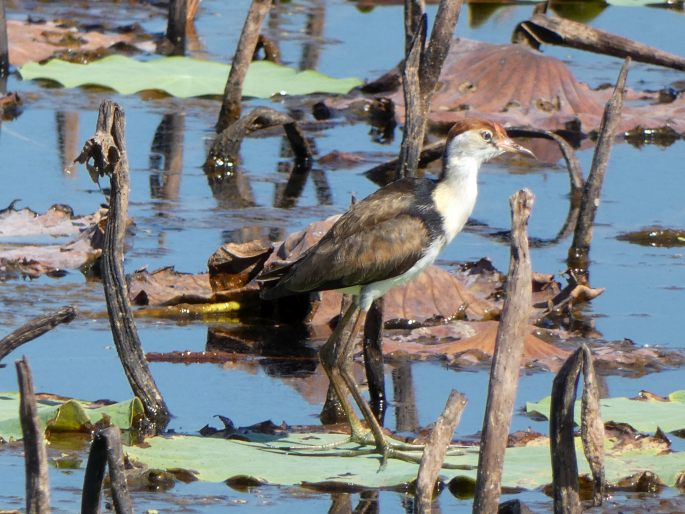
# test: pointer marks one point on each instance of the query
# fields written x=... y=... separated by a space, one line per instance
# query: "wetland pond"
x=180 y=222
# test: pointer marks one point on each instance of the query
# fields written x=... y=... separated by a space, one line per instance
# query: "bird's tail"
x=272 y=285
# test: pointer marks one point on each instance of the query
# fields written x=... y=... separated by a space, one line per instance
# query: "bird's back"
x=380 y=237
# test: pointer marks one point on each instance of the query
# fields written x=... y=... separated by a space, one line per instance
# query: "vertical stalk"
x=506 y=361
x=35 y=453
x=578 y=254
x=230 y=107
x=107 y=149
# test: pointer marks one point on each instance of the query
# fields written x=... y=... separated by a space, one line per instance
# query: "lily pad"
x=216 y=460
x=642 y=415
x=65 y=415
x=185 y=77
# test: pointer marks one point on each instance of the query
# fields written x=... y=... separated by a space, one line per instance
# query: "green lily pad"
x=65 y=415
x=185 y=77
x=217 y=460
x=642 y=415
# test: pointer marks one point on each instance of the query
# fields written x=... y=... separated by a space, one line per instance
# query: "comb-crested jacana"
x=386 y=240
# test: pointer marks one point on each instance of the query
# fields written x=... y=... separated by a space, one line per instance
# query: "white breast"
x=370 y=292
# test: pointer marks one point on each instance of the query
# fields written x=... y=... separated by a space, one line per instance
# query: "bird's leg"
x=328 y=356
x=336 y=357
x=341 y=367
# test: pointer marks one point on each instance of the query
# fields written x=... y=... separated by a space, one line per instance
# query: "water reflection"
x=68 y=140
x=404 y=396
x=166 y=157
x=286 y=195
x=311 y=47
x=341 y=503
x=284 y=350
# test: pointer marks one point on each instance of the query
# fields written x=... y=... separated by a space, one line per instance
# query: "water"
x=185 y=223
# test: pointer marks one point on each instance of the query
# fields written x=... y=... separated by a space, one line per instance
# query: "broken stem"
x=506 y=361
x=436 y=449
x=35 y=453
x=578 y=254
x=559 y=31
x=420 y=75
x=225 y=151
x=415 y=110
x=108 y=151
x=561 y=428
x=413 y=14
x=176 y=26
x=105 y=450
x=34 y=328
x=230 y=107
x=4 y=46
x=575 y=172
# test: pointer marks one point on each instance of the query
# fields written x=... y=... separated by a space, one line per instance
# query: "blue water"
x=643 y=186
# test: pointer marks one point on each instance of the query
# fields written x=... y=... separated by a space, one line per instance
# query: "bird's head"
x=477 y=141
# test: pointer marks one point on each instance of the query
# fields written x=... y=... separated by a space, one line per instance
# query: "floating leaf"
x=259 y=461
x=217 y=460
x=185 y=77
x=642 y=415
x=655 y=236
x=65 y=415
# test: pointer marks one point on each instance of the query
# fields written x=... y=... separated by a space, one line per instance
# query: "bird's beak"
x=507 y=145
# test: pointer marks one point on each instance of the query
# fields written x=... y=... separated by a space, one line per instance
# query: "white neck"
x=457 y=165
x=456 y=192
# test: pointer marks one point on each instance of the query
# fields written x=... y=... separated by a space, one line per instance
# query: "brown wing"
x=378 y=238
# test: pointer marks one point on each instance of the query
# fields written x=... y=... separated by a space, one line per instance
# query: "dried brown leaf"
x=33 y=260
x=340 y=160
x=625 y=438
x=38 y=41
x=460 y=342
x=166 y=286
x=516 y=85
x=234 y=264
x=526 y=438
x=58 y=221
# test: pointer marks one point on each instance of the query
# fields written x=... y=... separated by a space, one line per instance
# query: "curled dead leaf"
x=234 y=265
x=625 y=438
x=632 y=360
x=643 y=482
x=166 y=286
x=33 y=260
x=58 y=221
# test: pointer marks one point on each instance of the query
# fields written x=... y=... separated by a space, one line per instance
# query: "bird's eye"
x=486 y=135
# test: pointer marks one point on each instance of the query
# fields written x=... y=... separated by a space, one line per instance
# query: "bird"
x=386 y=240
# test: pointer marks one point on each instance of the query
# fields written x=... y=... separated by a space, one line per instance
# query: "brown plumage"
x=380 y=237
